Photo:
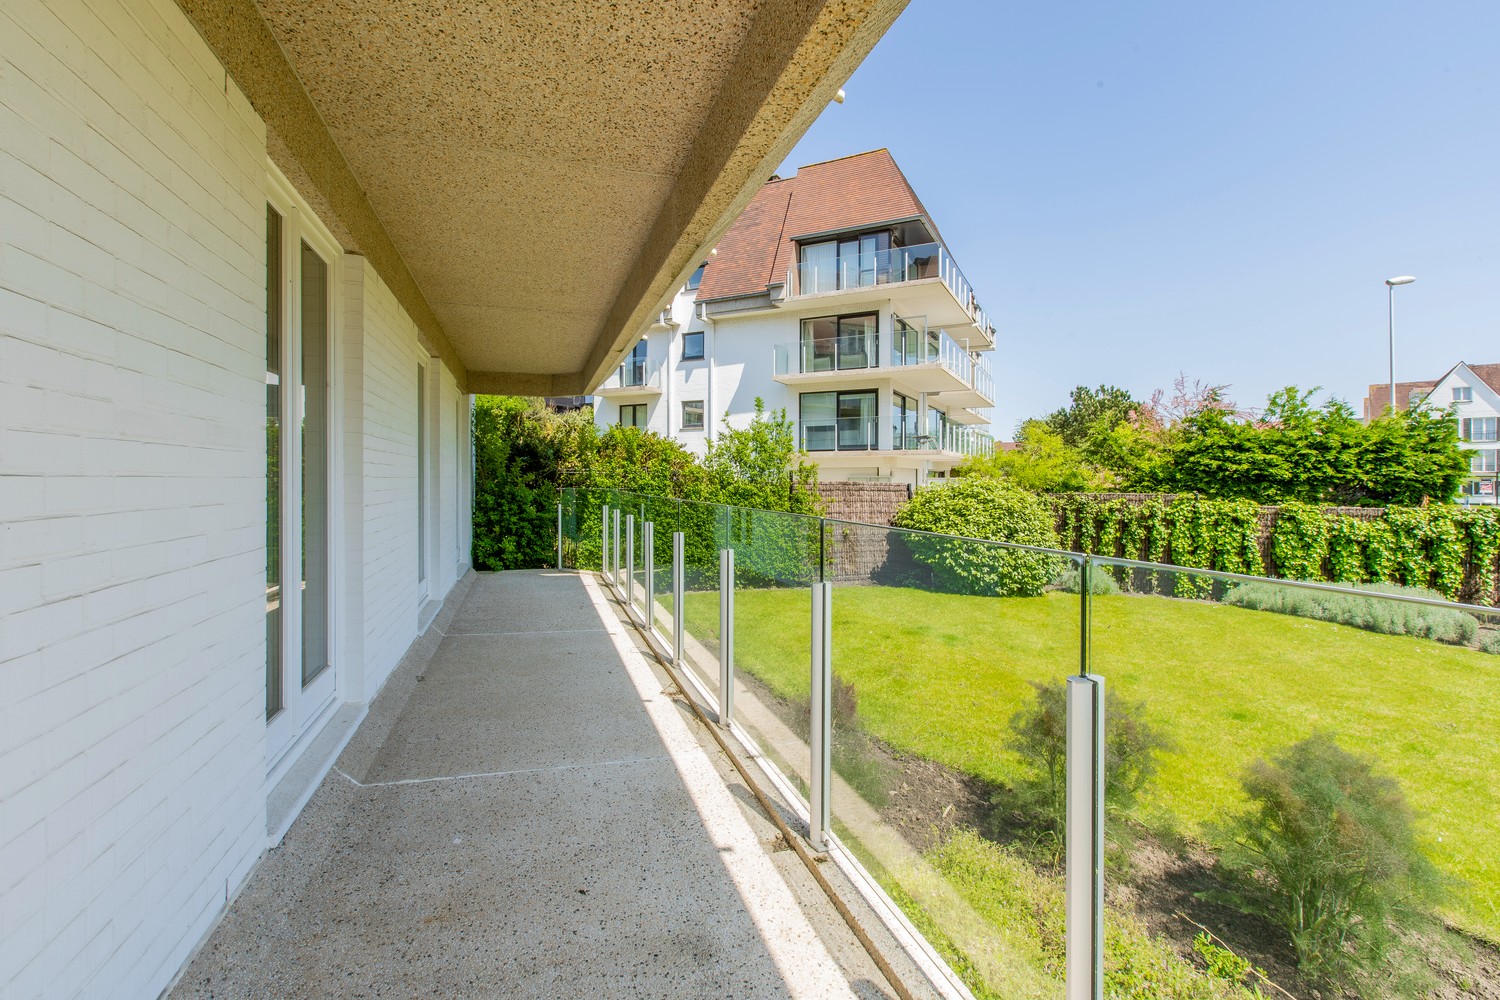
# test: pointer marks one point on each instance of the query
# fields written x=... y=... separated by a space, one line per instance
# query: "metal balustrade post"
x=648 y=551
x=679 y=590
x=1084 y=839
x=629 y=560
x=726 y=636
x=614 y=566
x=821 y=741
x=559 y=536
x=604 y=540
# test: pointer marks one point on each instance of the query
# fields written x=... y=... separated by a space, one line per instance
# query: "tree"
x=760 y=466
x=1295 y=451
x=1090 y=412
x=1041 y=462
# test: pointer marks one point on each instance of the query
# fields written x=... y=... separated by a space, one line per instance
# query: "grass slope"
x=940 y=675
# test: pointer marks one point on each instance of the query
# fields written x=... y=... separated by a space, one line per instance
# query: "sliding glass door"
x=838 y=421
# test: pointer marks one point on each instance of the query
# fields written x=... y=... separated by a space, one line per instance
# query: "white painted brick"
x=131 y=330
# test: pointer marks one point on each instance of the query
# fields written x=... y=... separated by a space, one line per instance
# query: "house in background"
x=1472 y=393
x=254 y=259
x=833 y=296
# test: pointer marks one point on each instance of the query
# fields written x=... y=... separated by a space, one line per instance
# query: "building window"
x=838 y=421
x=633 y=415
x=852 y=262
x=1482 y=461
x=421 y=479
x=273 y=461
x=301 y=431
x=697 y=278
x=1479 y=428
x=937 y=427
x=692 y=414
x=840 y=343
x=903 y=422
x=1463 y=394
x=692 y=346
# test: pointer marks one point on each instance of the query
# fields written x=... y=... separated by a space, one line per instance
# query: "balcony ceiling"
x=535 y=179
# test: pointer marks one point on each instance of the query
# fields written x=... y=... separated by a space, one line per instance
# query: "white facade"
x=136 y=757
x=1476 y=408
x=761 y=351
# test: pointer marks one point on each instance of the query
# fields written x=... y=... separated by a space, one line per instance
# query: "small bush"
x=1374 y=614
x=1039 y=734
x=1222 y=963
x=982 y=508
x=1328 y=852
x=1101 y=582
x=1491 y=644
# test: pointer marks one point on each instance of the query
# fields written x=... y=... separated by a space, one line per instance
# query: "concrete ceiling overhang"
x=535 y=179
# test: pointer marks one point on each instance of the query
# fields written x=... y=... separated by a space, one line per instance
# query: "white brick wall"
x=132 y=490
x=381 y=354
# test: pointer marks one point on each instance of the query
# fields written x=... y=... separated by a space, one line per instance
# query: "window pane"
x=692 y=346
x=818 y=412
x=819 y=268
x=697 y=278
x=421 y=474
x=692 y=414
x=274 y=701
x=819 y=344
x=858 y=346
x=857 y=420
x=314 y=313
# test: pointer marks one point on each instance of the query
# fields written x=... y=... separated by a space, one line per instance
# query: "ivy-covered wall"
x=1447 y=548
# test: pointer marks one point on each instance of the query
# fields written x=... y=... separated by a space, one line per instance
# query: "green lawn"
x=939 y=675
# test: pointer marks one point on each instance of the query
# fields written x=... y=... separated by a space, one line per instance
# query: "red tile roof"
x=848 y=193
x=1379 y=397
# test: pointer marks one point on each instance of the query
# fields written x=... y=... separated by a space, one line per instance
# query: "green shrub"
x=982 y=508
x=1373 y=614
x=1101 y=581
x=1328 y=852
x=1491 y=643
x=1039 y=736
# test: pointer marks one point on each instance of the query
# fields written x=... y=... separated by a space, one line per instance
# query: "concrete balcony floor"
x=529 y=810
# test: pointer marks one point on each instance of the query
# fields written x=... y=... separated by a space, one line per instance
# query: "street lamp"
x=1390 y=284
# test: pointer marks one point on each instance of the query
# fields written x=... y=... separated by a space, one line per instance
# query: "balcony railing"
x=838 y=434
x=634 y=373
x=885 y=267
x=1358 y=715
x=832 y=354
x=955 y=438
x=915 y=345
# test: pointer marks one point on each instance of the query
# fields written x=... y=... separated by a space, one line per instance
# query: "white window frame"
x=305 y=709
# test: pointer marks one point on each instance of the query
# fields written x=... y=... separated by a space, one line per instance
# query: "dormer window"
x=847 y=262
x=697 y=278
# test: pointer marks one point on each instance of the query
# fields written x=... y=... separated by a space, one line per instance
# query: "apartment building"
x=253 y=260
x=1472 y=394
x=833 y=296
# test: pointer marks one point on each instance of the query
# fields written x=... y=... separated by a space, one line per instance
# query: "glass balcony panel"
x=949 y=656
x=1316 y=748
x=838 y=434
x=705 y=533
x=776 y=563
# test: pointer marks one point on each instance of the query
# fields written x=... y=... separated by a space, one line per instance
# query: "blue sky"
x=1140 y=188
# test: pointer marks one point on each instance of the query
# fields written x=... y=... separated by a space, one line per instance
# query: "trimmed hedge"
x=1446 y=548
